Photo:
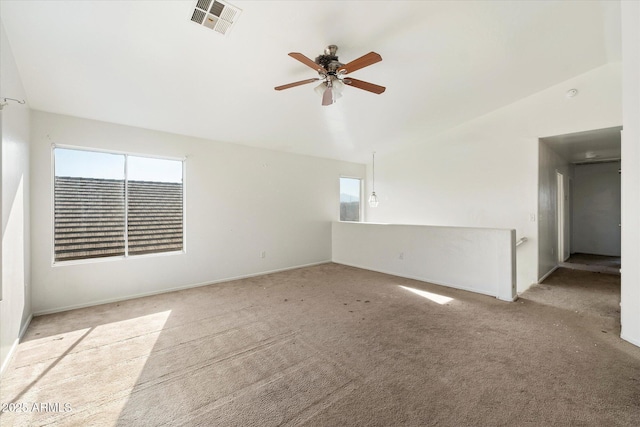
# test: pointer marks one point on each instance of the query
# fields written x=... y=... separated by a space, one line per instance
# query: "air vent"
x=198 y=16
x=216 y=15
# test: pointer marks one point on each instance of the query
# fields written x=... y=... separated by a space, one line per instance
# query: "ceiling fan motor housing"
x=329 y=61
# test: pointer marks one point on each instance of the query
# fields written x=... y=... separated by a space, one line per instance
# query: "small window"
x=108 y=204
x=350 y=190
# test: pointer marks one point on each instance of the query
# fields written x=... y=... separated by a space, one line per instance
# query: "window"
x=108 y=204
x=350 y=189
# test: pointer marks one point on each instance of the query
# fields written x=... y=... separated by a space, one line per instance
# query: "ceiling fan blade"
x=294 y=84
x=327 y=96
x=363 y=61
x=308 y=62
x=370 y=87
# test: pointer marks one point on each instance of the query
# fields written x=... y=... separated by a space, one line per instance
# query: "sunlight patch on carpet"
x=439 y=299
x=112 y=355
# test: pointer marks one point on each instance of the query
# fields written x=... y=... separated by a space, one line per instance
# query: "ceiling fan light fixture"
x=320 y=88
x=335 y=89
x=327 y=96
x=338 y=87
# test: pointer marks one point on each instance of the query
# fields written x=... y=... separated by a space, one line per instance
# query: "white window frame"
x=126 y=256
x=361 y=194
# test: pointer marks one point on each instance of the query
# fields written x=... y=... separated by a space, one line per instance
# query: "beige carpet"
x=595 y=263
x=333 y=346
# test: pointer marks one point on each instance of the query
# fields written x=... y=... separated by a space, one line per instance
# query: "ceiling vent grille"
x=216 y=15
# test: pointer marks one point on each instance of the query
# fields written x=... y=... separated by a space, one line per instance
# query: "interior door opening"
x=580 y=189
x=596 y=215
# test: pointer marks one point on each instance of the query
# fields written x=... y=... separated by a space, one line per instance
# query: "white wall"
x=596 y=209
x=630 y=298
x=239 y=201
x=480 y=260
x=15 y=307
x=485 y=173
x=550 y=163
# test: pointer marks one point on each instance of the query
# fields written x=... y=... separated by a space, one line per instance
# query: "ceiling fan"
x=333 y=73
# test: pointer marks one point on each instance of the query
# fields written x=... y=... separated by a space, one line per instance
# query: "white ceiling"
x=598 y=145
x=145 y=64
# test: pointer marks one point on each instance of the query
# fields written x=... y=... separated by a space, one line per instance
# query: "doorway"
x=579 y=201
x=596 y=233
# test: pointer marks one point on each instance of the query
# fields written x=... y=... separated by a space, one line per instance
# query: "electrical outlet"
x=532 y=217
x=401 y=256
x=263 y=254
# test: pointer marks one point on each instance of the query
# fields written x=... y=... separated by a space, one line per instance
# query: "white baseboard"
x=631 y=340
x=24 y=328
x=177 y=288
x=7 y=360
x=14 y=346
x=513 y=299
x=540 y=280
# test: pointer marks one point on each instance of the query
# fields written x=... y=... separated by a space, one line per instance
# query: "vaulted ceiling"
x=146 y=64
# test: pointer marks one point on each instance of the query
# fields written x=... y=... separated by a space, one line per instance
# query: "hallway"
x=593 y=263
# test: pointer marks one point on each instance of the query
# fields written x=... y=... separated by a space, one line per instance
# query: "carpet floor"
x=595 y=263
x=332 y=345
x=599 y=260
